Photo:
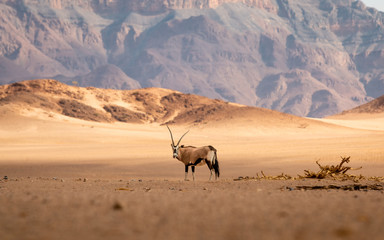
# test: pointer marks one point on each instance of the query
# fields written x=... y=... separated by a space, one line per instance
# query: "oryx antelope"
x=195 y=156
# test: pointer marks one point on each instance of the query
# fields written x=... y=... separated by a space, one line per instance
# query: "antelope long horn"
x=173 y=143
x=181 y=138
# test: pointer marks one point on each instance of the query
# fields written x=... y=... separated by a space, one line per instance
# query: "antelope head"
x=175 y=148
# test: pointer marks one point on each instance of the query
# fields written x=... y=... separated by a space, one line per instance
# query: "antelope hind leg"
x=209 y=164
x=193 y=173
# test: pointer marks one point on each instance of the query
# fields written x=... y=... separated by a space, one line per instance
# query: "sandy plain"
x=74 y=179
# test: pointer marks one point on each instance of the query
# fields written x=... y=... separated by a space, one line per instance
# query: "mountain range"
x=305 y=57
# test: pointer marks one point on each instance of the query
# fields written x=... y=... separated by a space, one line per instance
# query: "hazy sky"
x=378 y=4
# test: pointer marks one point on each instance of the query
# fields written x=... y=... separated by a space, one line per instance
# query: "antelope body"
x=195 y=156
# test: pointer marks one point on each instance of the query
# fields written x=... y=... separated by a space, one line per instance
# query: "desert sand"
x=68 y=178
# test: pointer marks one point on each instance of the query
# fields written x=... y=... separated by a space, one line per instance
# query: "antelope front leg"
x=186 y=173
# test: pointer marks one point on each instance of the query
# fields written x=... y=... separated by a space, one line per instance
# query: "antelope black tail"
x=216 y=166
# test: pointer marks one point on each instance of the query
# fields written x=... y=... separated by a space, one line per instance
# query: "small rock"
x=5 y=177
x=117 y=206
x=85 y=179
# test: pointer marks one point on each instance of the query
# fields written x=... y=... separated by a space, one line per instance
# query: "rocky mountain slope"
x=305 y=57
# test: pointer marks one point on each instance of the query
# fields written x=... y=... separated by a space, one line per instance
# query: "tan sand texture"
x=97 y=164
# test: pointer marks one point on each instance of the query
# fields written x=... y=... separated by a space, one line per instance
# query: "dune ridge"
x=55 y=100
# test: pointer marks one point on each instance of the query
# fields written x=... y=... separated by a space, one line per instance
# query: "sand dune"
x=42 y=98
x=369 y=116
x=366 y=121
x=375 y=106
